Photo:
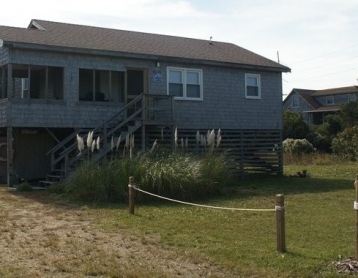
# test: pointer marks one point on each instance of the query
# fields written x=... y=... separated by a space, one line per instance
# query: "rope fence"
x=197 y=205
x=279 y=209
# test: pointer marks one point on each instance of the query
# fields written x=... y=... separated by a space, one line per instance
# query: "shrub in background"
x=294 y=126
x=297 y=146
x=319 y=140
x=345 y=144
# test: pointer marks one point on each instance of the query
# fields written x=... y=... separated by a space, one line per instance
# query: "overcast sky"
x=317 y=39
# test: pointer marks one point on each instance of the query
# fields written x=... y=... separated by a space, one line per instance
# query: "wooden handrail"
x=140 y=104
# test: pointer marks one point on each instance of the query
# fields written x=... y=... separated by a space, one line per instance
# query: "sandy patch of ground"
x=43 y=237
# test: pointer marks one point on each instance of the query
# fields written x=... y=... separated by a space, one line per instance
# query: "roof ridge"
x=133 y=31
x=81 y=37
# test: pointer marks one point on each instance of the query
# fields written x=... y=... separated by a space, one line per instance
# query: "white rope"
x=355 y=205
x=197 y=205
x=279 y=208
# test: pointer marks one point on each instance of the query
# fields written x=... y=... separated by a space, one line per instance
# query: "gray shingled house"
x=59 y=80
x=314 y=105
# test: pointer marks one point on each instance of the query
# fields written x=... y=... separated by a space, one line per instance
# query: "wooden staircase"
x=143 y=110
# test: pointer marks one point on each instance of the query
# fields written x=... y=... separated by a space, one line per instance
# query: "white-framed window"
x=329 y=100
x=252 y=86
x=294 y=103
x=185 y=83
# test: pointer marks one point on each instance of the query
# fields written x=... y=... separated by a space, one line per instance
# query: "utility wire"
x=349 y=58
x=324 y=55
x=355 y=68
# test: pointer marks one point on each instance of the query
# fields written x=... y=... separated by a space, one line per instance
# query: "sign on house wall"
x=157 y=76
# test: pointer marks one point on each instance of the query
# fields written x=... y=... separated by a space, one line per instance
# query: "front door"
x=136 y=83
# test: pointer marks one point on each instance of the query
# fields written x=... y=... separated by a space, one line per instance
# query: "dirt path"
x=42 y=237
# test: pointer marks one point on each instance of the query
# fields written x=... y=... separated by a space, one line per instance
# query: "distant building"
x=314 y=105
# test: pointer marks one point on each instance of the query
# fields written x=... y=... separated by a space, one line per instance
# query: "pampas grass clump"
x=173 y=174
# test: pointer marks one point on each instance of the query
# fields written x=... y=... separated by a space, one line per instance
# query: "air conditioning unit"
x=25 y=88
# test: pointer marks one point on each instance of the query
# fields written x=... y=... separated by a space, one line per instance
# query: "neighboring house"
x=314 y=105
x=59 y=80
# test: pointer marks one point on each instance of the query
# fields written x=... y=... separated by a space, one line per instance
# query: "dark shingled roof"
x=71 y=36
x=308 y=95
x=336 y=91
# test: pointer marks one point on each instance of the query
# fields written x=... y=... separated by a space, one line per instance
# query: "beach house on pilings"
x=59 y=80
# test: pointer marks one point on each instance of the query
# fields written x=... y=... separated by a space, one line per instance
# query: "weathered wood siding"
x=224 y=104
x=302 y=106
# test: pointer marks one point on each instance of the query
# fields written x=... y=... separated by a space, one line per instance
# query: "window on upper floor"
x=185 y=84
x=352 y=97
x=37 y=82
x=252 y=86
x=329 y=100
x=101 y=85
x=295 y=102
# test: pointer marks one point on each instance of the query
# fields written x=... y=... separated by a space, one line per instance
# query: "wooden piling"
x=131 y=194
x=280 y=223
x=356 y=209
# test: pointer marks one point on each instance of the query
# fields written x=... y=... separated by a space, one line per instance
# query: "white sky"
x=317 y=39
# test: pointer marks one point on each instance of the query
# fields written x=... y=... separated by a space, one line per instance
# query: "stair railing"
x=143 y=109
x=61 y=154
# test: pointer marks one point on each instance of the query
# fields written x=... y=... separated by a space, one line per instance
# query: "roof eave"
x=322 y=110
x=53 y=48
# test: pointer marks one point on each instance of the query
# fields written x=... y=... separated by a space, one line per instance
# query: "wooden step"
x=46 y=183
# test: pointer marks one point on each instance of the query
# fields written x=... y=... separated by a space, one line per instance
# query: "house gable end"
x=34 y=25
x=303 y=95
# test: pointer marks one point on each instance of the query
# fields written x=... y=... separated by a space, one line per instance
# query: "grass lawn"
x=320 y=224
x=47 y=236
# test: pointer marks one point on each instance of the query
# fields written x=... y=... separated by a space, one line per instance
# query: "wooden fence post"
x=131 y=195
x=280 y=223
x=356 y=209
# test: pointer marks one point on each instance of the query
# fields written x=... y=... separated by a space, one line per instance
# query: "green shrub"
x=297 y=146
x=345 y=144
x=294 y=126
x=24 y=187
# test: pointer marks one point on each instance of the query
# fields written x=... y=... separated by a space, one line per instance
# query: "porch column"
x=2 y=82
x=9 y=156
x=143 y=137
x=9 y=81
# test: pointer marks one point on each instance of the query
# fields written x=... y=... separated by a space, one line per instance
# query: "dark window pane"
x=85 y=84
x=117 y=86
x=55 y=83
x=193 y=91
x=252 y=91
x=176 y=90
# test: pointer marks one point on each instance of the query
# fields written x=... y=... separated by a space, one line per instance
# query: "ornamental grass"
x=175 y=173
